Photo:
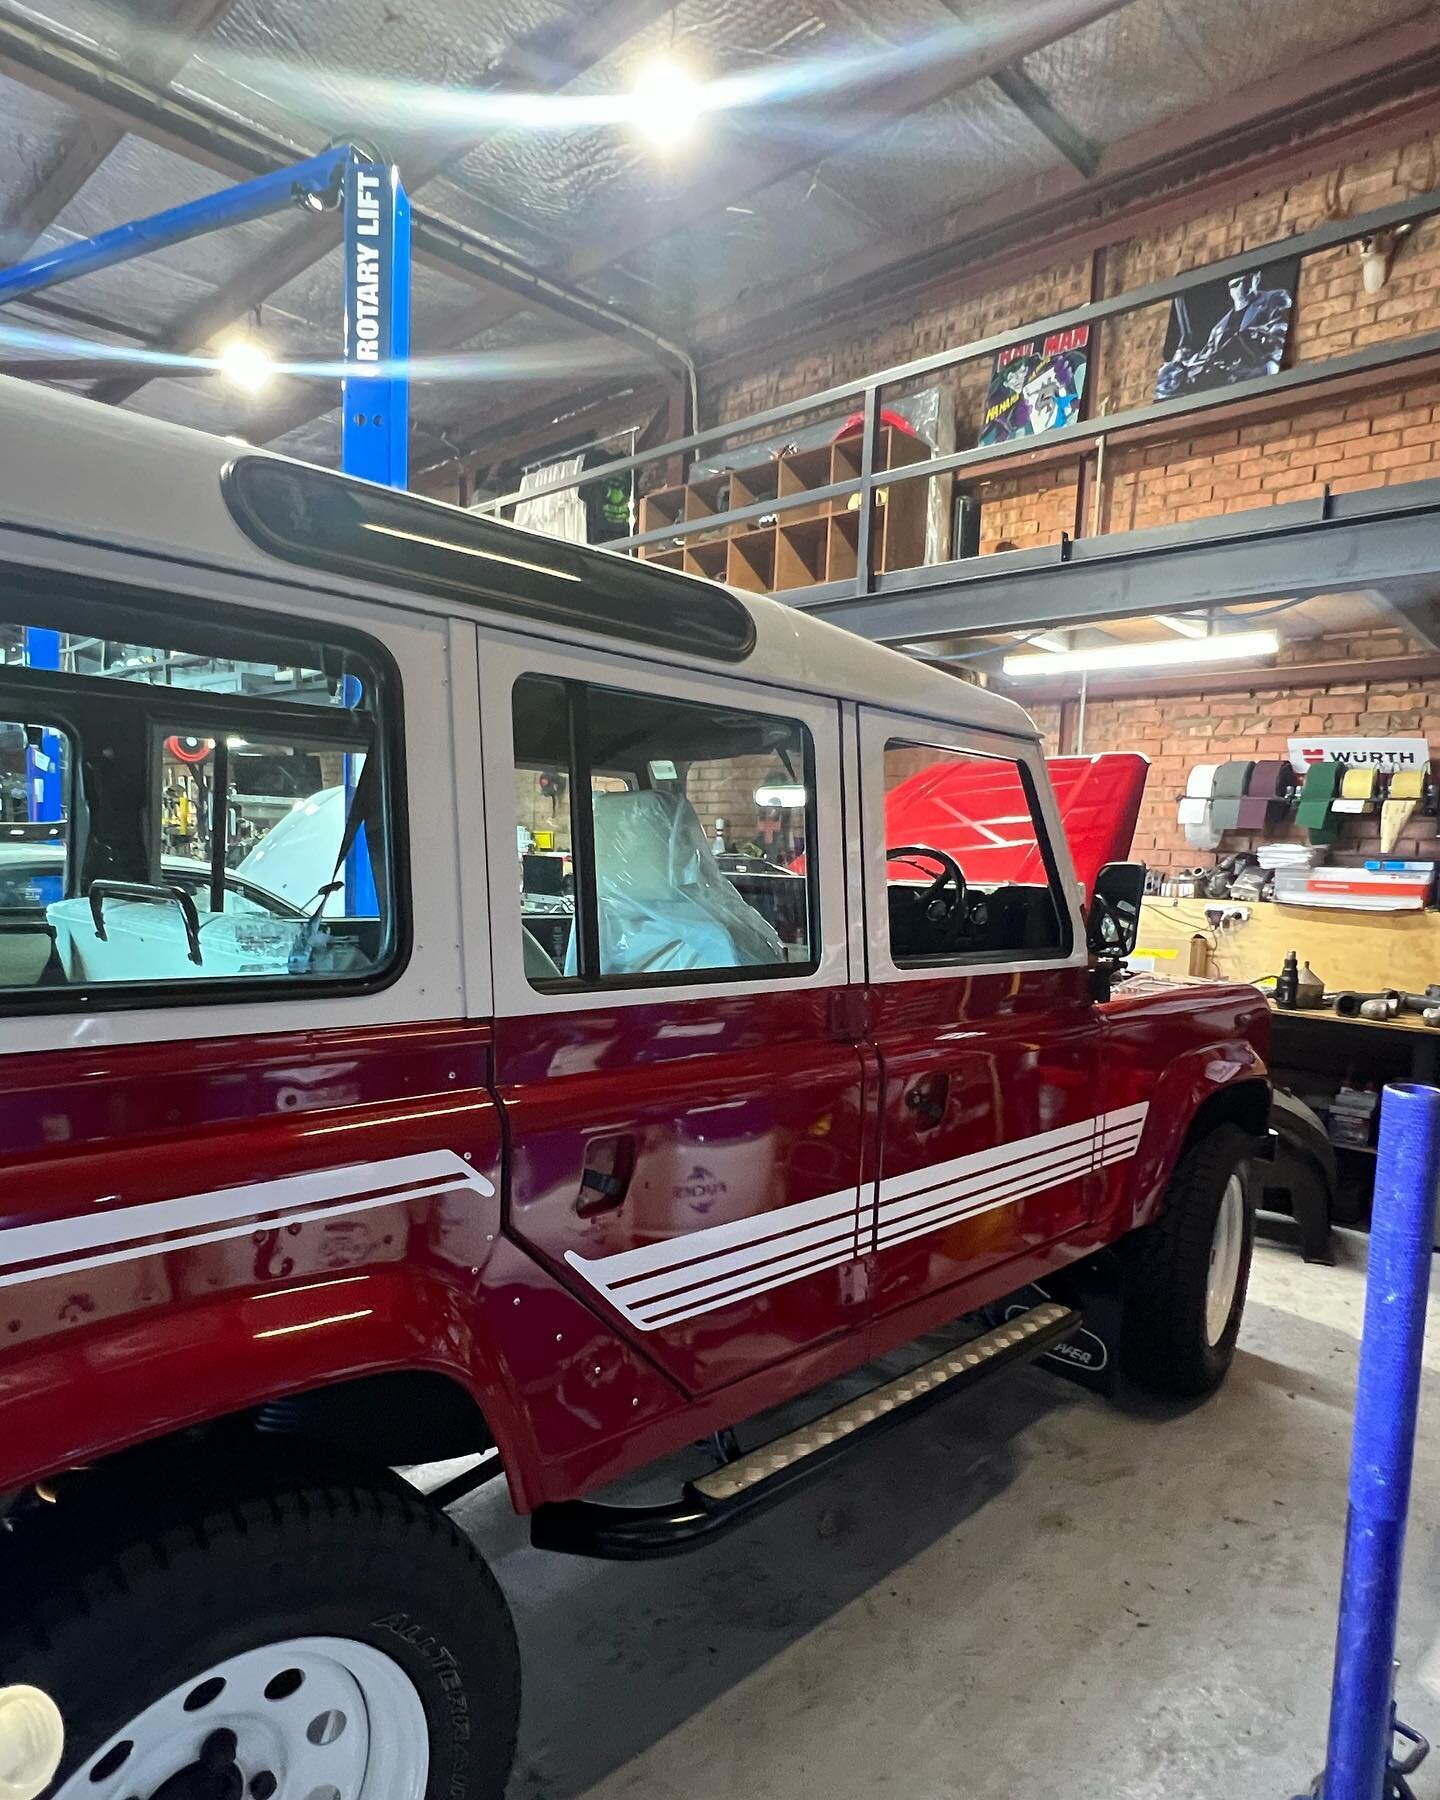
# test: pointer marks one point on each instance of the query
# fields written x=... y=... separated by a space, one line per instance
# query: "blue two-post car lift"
x=375 y=394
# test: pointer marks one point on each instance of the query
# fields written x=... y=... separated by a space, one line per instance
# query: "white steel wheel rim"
x=1226 y=1247
x=351 y=1727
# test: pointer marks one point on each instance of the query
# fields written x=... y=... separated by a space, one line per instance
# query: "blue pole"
x=44 y=764
x=231 y=206
x=1387 y=1398
x=375 y=399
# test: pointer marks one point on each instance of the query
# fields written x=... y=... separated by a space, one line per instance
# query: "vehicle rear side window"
x=969 y=873
x=660 y=840
x=194 y=802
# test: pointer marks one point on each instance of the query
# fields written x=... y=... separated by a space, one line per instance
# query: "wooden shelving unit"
x=804 y=545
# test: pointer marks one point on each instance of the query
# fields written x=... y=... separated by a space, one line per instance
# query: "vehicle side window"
x=660 y=840
x=204 y=801
x=969 y=873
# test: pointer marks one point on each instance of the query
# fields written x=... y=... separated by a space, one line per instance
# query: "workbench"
x=1312 y=1050
x=1359 y=950
x=1420 y=1051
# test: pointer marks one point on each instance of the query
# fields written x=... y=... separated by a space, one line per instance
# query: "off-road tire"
x=115 y=1596
x=1164 y=1345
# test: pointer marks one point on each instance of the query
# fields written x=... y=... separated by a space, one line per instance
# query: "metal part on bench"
x=722 y=1499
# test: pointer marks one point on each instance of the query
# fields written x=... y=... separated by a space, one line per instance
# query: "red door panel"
x=179 y=1182
x=988 y=1134
x=693 y=1169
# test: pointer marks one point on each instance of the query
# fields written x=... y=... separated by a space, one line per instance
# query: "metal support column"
x=376 y=394
x=869 y=499
x=44 y=761
x=375 y=399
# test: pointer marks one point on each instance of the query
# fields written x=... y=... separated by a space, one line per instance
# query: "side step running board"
x=716 y=1502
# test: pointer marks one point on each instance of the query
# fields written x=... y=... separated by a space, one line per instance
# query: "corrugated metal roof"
x=297 y=67
x=135 y=180
x=305 y=73
x=1125 y=72
x=34 y=130
x=581 y=185
x=801 y=223
x=958 y=150
x=1156 y=58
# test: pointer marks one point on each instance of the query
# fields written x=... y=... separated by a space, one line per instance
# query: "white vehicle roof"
x=78 y=469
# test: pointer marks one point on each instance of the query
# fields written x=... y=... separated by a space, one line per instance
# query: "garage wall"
x=1391 y=434
x=1177 y=732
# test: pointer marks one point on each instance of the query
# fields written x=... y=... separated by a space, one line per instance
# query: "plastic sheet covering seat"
x=147 y=943
x=663 y=902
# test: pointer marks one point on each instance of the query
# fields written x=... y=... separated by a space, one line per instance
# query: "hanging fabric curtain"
x=557 y=515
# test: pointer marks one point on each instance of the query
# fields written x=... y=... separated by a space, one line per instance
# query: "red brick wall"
x=1386 y=437
x=849 y=355
x=1178 y=732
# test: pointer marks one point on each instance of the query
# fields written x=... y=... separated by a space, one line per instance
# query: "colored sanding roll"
x=1266 y=793
x=1406 y=790
x=1231 y=781
x=1194 y=815
x=1357 y=791
x=1316 y=798
x=1201 y=784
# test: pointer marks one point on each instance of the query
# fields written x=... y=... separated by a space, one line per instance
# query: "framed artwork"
x=1229 y=331
x=1036 y=387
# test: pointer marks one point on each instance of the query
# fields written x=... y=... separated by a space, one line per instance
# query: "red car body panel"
x=981 y=815
x=1180 y=1047
x=735 y=1115
x=203 y=1319
x=989 y=1063
x=96 y=1357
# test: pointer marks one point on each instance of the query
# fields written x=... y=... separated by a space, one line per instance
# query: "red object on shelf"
x=855 y=424
x=977 y=811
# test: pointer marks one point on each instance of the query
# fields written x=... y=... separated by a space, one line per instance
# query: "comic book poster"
x=1036 y=387
x=1228 y=331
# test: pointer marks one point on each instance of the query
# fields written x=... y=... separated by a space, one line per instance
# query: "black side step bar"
x=719 y=1501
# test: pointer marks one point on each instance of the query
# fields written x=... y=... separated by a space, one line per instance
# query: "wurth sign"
x=1384 y=753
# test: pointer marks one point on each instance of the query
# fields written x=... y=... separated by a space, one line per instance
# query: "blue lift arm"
x=315 y=183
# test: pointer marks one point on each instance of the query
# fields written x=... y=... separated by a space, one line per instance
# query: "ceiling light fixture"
x=246 y=364
x=666 y=102
x=1237 y=646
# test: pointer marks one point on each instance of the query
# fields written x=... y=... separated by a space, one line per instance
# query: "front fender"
x=1213 y=1079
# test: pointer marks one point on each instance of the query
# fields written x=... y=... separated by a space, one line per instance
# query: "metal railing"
x=868 y=392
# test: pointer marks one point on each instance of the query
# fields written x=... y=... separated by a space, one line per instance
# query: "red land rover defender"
x=462 y=992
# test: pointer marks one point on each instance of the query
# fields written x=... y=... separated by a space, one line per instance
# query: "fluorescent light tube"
x=1237 y=646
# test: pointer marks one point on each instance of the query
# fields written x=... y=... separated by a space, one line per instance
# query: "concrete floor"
x=1029 y=1593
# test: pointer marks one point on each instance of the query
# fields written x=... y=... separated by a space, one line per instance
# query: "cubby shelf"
x=801 y=546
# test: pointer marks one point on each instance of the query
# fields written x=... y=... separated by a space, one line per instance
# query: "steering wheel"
x=933 y=903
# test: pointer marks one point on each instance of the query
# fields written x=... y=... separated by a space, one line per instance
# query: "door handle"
x=928 y=1098
x=605 y=1175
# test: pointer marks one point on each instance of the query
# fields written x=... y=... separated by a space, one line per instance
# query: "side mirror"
x=1113 y=925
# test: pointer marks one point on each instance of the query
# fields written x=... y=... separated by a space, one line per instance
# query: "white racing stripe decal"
x=665 y=1283
x=32 y=1252
x=677 y=1278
